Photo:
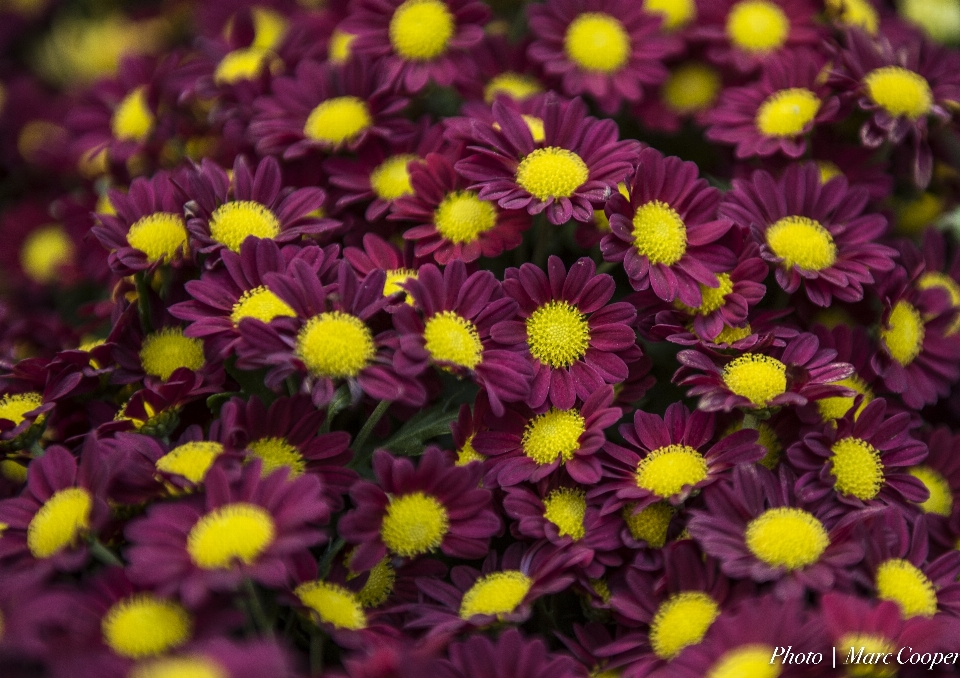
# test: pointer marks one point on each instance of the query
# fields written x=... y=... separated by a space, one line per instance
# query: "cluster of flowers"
x=392 y=338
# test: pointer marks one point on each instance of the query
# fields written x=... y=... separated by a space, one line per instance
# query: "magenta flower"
x=379 y=255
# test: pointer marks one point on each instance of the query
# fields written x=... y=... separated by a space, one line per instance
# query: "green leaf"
x=410 y=439
x=251 y=381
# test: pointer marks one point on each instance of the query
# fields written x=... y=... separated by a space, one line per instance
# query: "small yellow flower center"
x=667 y=470
x=467 y=454
x=379 y=584
x=857 y=467
x=691 y=88
x=262 y=304
x=515 y=85
x=757 y=26
x=602 y=589
x=238 y=531
x=338 y=51
x=872 y=645
x=334 y=604
x=161 y=235
x=245 y=63
x=15 y=473
x=234 y=222
x=837 y=407
x=939 y=18
x=899 y=92
x=44 y=252
x=268 y=27
x=597 y=42
x=132 y=119
x=676 y=13
x=558 y=334
x=787 y=113
x=552 y=172
x=179 y=667
x=650 y=524
x=940 y=501
x=758 y=378
x=462 y=217
x=682 y=620
x=659 y=233
x=787 y=537
x=566 y=508
x=191 y=460
x=729 y=335
x=802 y=242
x=277 y=453
x=143 y=625
x=413 y=524
x=335 y=345
x=14 y=407
x=420 y=30
x=713 y=297
x=390 y=179
x=497 y=593
x=395 y=278
x=555 y=433
x=904 y=332
x=828 y=170
x=535 y=125
x=746 y=661
x=942 y=281
x=61 y=521
x=451 y=338
x=903 y=583
x=337 y=121
x=855 y=13
x=168 y=350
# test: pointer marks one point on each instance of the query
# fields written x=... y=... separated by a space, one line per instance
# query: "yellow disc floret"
x=262 y=304
x=940 y=501
x=333 y=603
x=395 y=278
x=338 y=51
x=787 y=113
x=855 y=13
x=941 y=281
x=467 y=453
x=420 y=30
x=44 y=252
x=597 y=42
x=757 y=26
x=451 y=338
x=552 y=172
x=803 y=242
x=168 y=350
x=231 y=533
x=462 y=217
x=234 y=222
x=335 y=345
x=143 y=625
x=899 y=92
x=179 y=667
x=391 y=179
x=659 y=233
x=838 y=406
x=713 y=298
x=159 y=235
x=905 y=584
x=379 y=586
x=414 y=523
x=746 y=661
x=857 y=468
x=14 y=407
x=338 y=121
x=553 y=434
x=667 y=470
x=566 y=508
x=515 y=85
x=246 y=63
x=497 y=593
x=62 y=520
x=682 y=620
x=904 y=333
x=676 y=13
x=758 y=378
x=650 y=524
x=132 y=119
x=277 y=453
x=558 y=334
x=787 y=537
x=691 y=88
x=191 y=460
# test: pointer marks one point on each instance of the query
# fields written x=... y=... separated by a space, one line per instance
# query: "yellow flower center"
x=395 y=278
x=379 y=584
x=558 y=334
x=682 y=620
x=179 y=667
x=515 y=85
x=238 y=531
x=143 y=625
x=758 y=378
x=787 y=537
x=940 y=501
x=420 y=30
x=939 y=18
x=337 y=121
x=552 y=172
x=390 y=179
x=838 y=406
x=942 y=281
x=757 y=26
x=871 y=644
x=234 y=222
x=899 y=92
x=746 y=661
x=497 y=593
x=268 y=27
x=462 y=217
x=15 y=406
x=676 y=13
x=802 y=242
x=132 y=119
x=334 y=604
x=659 y=233
x=335 y=345
x=44 y=252
x=857 y=468
x=191 y=460
x=691 y=88
x=650 y=524
x=451 y=338
x=338 y=51
x=904 y=332
x=555 y=433
x=855 y=13
x=467 y=454
x=15 y=473
x=277 y=453
x=161 y=235
x=414 y=523
x=597 y=42
x=245 y=63
x=787 y=113
x=566 y=508
x=713 y=297
x=828 y=170
x=667 y=470
x=262 y=304
x=903 y=583
x=168 y=350
x=60 y=522
x=729 y=335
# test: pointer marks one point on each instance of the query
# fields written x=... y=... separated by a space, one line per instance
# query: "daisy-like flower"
x=940 y=474
x=225 y=210
x=577 y=340
x=243 y=526
x=853 y=345
x=689 y=92
x=578 y=163
x=418 y=41
x=453 y=222
x=776 y=113
x=22 y=417
x=379 y=255
x=450 y=328
x=511 y=656
x=666 y=233
x=757 y=529
x=789 y=375
x=669 y=458
x=413 y=512
x=608 y=49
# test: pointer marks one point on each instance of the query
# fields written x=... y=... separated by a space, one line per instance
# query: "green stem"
x=607 y=266
x=36 y=449
x=368 y=426
x=331 y=553
x=103 y=554
x=750 y=420
x=316 y=651
x=339 y=402
x=260 y=622
x=143 y=302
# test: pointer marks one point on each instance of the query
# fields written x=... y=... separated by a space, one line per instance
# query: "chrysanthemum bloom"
x=689 y=92
x=46 y=528
x=527 y=446
x=418 y=41
x=243 y=526
x=666 y=234
x=757 y=529
x=938 y=273
x=818 y=234
x=577 y=340
x=511 y=656
x=413 y=512
x=327 y=108
x=578 y=163
x=453 y=333
x=776 y=113
x=147 y=228
x=855 y=346
x=154 y=409
x=452 y=222
x=747 y=33
x=608 y=49
x=503 y=71
x=378 y=254
x=220 y=658
x=940 y=474
x=22 y=416
x=904 y=90
x=836 y=156
x=667 y=459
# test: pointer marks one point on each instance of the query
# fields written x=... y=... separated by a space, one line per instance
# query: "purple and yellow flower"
x=940 y=474
x=855 y=346
x=379 y=255
x=690 y=91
